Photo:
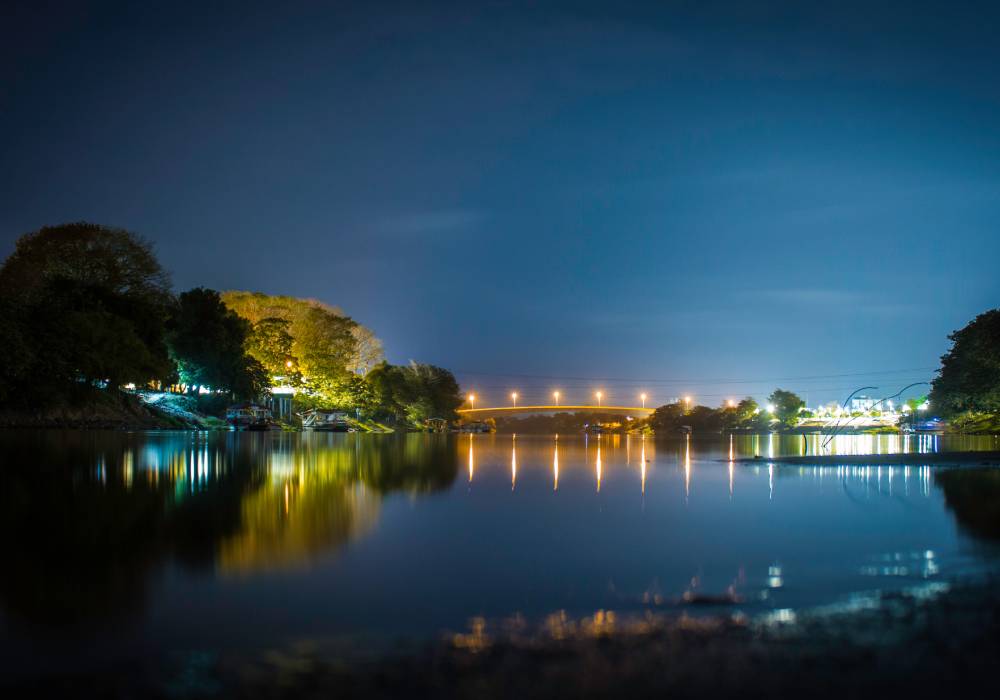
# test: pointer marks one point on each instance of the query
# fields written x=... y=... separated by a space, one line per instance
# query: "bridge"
x=496 y=411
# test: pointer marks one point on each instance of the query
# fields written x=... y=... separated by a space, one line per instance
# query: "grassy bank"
x=94 y=409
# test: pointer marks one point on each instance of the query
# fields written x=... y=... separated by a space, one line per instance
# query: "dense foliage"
x=413 y=393
x=326 y=348
x=969 y=378
x=787 y=406
x=83 y=305
x=208 y=343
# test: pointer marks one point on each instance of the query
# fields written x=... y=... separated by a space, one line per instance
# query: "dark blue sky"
x=607 y=193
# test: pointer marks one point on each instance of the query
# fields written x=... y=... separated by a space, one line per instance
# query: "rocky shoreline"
x=935 y=640
x=929 y=641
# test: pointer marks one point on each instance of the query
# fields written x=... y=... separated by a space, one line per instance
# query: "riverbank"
x=99 y=410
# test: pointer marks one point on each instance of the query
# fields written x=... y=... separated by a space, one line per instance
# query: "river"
x=120 y=546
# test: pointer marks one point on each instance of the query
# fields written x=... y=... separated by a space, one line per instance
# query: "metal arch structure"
x=495 y=411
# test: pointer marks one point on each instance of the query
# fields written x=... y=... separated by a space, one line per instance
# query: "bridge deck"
x=504 y=410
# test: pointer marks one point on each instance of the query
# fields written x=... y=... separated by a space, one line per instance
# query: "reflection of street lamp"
x=472 y=401
x=643 y=398
x=513 y=398
x=599 y=396
x=555 y=394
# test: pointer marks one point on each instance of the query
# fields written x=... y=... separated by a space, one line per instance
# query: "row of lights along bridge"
x=597 y=395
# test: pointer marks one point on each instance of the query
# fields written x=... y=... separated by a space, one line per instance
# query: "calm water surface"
x=122 y=545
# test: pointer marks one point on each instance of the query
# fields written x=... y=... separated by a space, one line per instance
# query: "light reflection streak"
x=555 y=466
x=598 y=464
x=472 y=468
x=731 y=467
x=643 y=458
x=513 y=462
x=687 y=467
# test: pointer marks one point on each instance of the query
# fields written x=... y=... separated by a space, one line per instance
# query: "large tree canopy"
x=327 y=346
x=969 y=378
x=83 y=304
x=113 y=260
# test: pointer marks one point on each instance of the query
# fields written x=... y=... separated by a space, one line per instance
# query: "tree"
x=270 y=343
x=746 y=410
x=414 y=393
x=367 y=350
x=787 y=406
x=208 y=342
x=85 y=305
x=325 y=342
x=969 y=377
x=667 y=418
x=111 y=259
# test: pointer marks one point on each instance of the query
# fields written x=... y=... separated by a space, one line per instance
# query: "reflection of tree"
x=974 y=496
x=287 y=523
x=85 y=517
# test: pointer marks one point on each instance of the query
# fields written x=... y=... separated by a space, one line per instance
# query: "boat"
x=325 y=421
x=249 y=416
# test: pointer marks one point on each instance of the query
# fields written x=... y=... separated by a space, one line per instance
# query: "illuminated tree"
x=270 y=343
x=323 y=338
x=787 y=406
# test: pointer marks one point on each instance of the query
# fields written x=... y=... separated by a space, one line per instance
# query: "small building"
x=864 y=404
x=280 y=402
x=249 y=416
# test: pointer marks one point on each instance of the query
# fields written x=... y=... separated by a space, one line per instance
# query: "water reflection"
x=87 y=516
x=90 y=519
x=973 y=495
x=555 y=465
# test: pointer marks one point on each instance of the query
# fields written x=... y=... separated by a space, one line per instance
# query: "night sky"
x=692 y=197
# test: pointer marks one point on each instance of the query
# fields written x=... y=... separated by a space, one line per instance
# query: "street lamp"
x=472 y=401
x=555 y=395
x=599 y=396
x=513 y=398
x=687 y=402
x=731 y=403
x=642 y=397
